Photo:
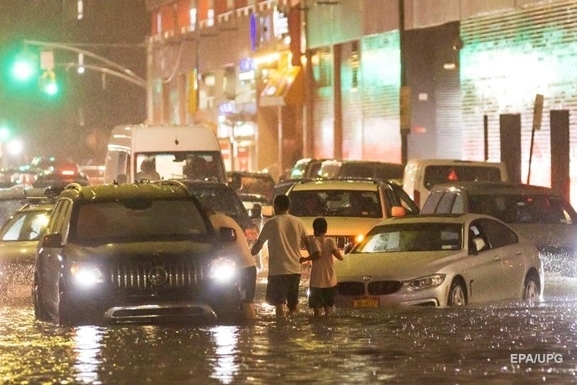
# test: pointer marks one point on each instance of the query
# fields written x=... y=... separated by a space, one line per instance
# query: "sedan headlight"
x=86 y=275
x=425 y=282
x=222 y=270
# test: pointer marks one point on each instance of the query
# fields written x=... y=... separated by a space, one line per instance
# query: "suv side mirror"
x=52 y=240
x=398 y=211
x=227 y=234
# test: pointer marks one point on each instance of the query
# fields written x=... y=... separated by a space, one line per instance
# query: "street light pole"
x=405 y=91
x=128 y=74
x=116 y=70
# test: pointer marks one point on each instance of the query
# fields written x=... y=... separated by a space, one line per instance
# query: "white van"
x=422 y=174
x=169 y=152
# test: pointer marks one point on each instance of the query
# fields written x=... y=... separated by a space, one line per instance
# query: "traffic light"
x=48 y=83
x=24 y=68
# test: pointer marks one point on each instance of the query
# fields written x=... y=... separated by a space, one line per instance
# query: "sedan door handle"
x=497 y=258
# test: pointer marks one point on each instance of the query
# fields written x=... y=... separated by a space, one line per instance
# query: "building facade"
x=280 y=80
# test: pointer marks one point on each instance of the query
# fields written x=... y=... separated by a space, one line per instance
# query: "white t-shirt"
x=284 y=234
x=323 y=271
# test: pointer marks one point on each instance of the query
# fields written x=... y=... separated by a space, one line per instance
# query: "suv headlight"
x=86 y=274
x=222 y=269
x=425 y=282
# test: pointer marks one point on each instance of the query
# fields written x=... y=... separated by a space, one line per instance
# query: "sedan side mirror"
x=476 y=245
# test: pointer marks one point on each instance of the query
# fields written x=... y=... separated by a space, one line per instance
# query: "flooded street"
x=504 y=343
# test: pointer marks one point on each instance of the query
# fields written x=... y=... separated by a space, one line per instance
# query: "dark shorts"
x=322 y=297
x=282 y=289
x=248 y=283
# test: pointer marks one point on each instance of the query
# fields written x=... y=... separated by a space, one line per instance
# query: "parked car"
x=420 y=175
x=439 y=260
x=142 y=252
x=19 y=237
x=335 y=168
x=59 y=179
x=351 y=206
x=253 y=203
x=94 y=173
x=218 y=196
x=246 y=182
x=306 y=168
x=537 y=213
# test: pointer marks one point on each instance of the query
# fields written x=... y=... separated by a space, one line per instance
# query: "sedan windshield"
x=413 y=237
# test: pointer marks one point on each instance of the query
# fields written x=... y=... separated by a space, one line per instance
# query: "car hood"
x=545 y=234
x=21 y=251
x=394 y=266
x=150 y=249
x=338 y=226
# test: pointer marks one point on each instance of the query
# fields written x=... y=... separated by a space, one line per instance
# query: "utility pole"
x=405 y=91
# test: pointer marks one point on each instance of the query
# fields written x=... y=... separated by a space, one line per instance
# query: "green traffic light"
x=4 y=133
x=23 y=69
x=51 y=88
x=49 y=84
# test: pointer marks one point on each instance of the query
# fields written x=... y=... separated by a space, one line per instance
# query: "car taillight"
x=67 y=172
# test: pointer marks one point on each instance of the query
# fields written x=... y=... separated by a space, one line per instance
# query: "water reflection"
x=225 y=342
x=87 y=345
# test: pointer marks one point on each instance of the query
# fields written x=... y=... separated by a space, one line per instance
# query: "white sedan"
x=439 y=260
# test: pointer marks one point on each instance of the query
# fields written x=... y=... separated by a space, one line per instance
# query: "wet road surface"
x=503 y=343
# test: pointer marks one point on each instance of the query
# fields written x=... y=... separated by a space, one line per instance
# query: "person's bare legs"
x=292 y=312
x=280 y=311
x=328 y=310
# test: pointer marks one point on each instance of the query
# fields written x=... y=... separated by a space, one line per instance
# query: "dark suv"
x=142 y=252
x=537 y=213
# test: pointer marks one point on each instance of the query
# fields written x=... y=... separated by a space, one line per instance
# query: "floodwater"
x=503 y=343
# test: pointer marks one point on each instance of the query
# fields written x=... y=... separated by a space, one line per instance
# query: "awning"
x=287 y=88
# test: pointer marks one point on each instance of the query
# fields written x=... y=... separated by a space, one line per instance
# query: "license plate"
x=366 y=302
x=18 y=291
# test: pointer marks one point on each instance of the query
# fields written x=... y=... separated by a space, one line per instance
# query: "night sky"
x=77 y=122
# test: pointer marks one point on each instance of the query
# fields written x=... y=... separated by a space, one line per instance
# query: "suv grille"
x=154 y=275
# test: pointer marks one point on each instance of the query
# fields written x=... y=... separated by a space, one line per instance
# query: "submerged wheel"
x=457 y=294
x=39 y=311
x=532 y=288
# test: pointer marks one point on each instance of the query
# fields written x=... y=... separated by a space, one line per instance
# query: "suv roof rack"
x=175 y=183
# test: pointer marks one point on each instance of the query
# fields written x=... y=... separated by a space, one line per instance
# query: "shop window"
x=322 y=67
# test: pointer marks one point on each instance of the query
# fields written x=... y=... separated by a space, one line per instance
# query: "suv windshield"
x=137 y=219
x=329 y=203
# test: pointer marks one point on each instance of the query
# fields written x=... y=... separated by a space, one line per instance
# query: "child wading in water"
x=323 y=281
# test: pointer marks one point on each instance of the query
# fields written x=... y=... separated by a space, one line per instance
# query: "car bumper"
x=123 y=307
x=436 y=296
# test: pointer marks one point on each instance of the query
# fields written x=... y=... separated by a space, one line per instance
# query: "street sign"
x=537 y=112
